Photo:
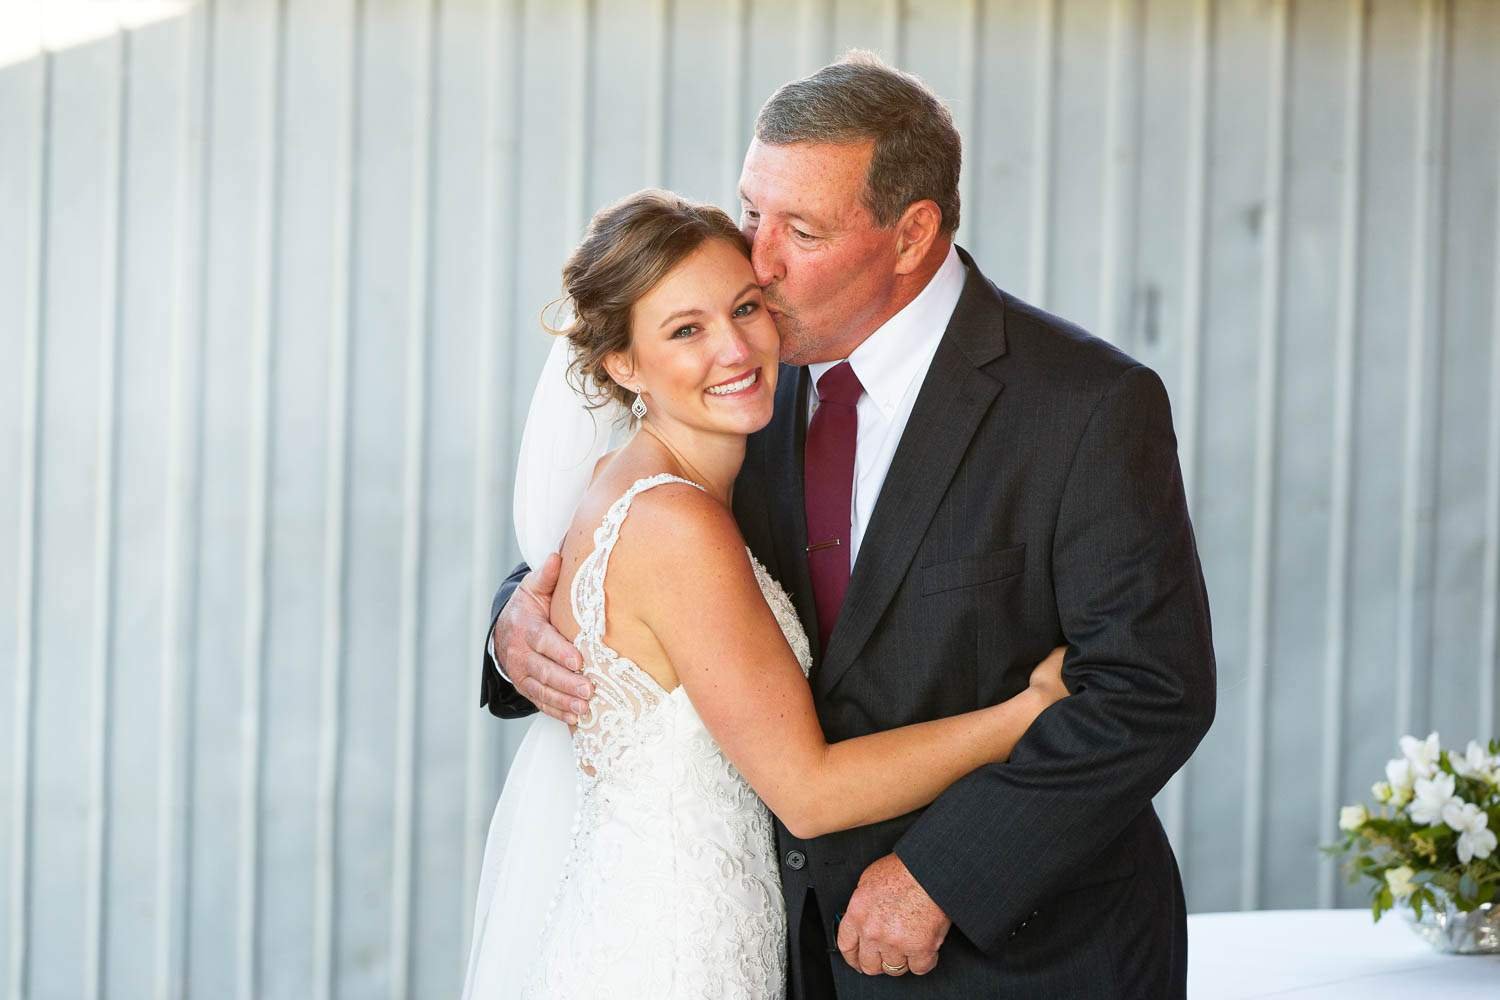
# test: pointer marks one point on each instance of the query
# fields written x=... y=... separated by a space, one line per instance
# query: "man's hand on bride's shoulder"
x=1047 y=679
x=542 y=664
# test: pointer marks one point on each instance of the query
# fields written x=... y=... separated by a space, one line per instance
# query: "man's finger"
x=890 y=960
x=567 y=685
x=920 y=965
x=548 y=710
x=847 y=941
x=543 y=697
x=550 y=643
x=542 y=580
x=869 y=958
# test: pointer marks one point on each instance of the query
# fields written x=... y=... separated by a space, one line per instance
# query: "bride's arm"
x=681 y=569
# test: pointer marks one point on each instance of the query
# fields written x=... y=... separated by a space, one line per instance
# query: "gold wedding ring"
x=894 y=970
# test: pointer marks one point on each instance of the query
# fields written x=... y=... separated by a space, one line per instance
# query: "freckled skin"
x=830 y=273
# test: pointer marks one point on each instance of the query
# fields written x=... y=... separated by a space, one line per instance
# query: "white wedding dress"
x=670 y=887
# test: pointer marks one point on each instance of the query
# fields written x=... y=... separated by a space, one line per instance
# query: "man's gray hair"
x=860 y=98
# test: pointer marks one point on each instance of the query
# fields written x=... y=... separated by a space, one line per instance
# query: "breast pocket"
x=971 y=571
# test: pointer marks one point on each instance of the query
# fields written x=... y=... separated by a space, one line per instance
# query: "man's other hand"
x=891 y=923
x=543 y=666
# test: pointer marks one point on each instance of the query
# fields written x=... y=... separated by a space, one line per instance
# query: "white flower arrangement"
x=1431 y=837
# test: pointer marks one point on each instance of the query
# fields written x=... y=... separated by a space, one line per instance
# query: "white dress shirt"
x=891 y=364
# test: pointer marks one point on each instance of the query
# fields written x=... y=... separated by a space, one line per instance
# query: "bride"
x=702 y=717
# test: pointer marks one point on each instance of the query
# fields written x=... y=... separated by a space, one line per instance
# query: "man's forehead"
x=824 y=177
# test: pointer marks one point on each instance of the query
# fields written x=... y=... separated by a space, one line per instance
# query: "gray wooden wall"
x=269 y=275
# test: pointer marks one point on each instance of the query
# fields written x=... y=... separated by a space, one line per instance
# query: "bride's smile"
x=703 y=350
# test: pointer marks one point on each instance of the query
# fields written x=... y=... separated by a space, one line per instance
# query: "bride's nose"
x=733 y=348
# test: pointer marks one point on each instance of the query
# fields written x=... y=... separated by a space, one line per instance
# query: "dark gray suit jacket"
x=1035 y=499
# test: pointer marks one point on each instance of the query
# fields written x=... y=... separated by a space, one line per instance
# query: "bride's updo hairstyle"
x=629 y=247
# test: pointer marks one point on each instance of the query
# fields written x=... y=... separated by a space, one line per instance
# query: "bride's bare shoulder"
x=679 y=529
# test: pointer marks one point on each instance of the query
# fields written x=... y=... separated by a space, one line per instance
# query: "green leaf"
x=1467 y=887
x=1383 y=902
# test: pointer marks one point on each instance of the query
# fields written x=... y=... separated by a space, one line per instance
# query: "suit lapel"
x=787 y=435
x=955 y=396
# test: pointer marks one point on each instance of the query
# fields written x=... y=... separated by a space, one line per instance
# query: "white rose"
x=1474 y=840
x=1399 y=775
x=1421 y=754
x=1433 y=795
x=1474 y=762
x=1399 y=879
x=1351 y=818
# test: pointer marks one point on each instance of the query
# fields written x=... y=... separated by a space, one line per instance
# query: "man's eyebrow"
x=816 y=221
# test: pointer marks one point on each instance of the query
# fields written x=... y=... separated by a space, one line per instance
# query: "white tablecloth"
x=1328 y=954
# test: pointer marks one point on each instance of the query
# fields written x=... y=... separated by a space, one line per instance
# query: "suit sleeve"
x=495 y=691
x=1134 y=611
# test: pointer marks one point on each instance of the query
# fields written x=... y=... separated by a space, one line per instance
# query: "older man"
x=1006 y=484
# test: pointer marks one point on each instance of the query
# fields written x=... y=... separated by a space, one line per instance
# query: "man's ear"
x=916 y=230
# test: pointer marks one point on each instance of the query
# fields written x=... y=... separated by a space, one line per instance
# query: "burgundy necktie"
x=828 y=481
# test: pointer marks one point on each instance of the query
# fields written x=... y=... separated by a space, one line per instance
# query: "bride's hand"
x=541 y=664
x=1046 y=677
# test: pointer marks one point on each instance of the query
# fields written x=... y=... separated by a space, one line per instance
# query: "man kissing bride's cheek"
x=862 y=655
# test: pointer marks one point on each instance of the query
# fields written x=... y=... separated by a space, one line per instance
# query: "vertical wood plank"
x=816 y=20
x=345 y=241
x=735 y=137
x=1460 y=411
x=1414 y=586
x=1341 y=473
x=893 y=29
x=1121 y=164
x=501 y=237
x=180 y=569
x=35 y=325
x=1189 y=388
x=657 y=166
x=1039 y=257
x=580 y=203
x=968 y=113
x=1263 y=516
x=257 y=583
x=1489 y=629
x=414 y=451
x=105 y=502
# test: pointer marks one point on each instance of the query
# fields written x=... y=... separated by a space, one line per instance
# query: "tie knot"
x=839 y=384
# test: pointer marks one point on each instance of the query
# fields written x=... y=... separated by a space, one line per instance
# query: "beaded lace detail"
x=671 y=887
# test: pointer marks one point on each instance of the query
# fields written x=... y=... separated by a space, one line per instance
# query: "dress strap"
x=588 y=582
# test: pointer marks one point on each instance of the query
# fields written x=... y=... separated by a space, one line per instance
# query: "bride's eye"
x=745 y=309
x=683 y=331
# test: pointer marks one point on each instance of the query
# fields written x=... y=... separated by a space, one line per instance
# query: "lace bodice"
x=671 y=887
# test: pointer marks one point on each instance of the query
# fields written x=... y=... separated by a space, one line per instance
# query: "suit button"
x=796 y=860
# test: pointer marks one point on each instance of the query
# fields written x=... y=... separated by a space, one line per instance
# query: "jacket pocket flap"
x=971 y=571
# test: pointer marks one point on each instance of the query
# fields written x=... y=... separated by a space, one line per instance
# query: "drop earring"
x=639 y=406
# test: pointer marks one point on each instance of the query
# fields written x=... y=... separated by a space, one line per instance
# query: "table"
x=1327 y=954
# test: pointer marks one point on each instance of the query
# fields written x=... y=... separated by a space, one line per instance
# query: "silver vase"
x=1454 y=933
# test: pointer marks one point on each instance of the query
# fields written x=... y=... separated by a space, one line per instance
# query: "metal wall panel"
x=270 y=276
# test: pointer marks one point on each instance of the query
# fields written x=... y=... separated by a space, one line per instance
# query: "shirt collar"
x=900 y=348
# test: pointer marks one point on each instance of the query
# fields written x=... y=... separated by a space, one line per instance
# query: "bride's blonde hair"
x=629 y=247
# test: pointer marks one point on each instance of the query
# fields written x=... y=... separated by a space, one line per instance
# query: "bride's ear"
x=620 y=368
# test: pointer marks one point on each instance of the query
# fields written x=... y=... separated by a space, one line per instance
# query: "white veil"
x=533 y=822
